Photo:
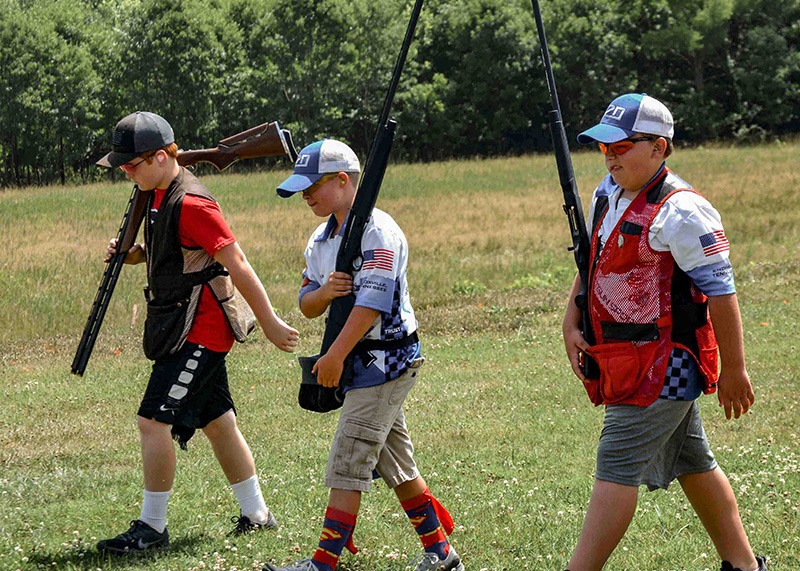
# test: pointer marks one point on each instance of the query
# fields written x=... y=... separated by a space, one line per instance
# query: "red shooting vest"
x=642 y=305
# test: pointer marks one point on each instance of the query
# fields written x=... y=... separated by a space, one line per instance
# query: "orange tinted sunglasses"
x=130 y=166
x=623 y=146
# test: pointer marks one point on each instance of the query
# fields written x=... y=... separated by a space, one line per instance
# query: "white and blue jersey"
x=690 y=228
x=379 y=284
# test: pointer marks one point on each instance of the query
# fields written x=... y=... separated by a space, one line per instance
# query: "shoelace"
x=429 y=558
x=129 y=535
x=243 y=523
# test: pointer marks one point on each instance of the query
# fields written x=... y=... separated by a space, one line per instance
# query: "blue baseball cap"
x=315 y=161
x=629 y=114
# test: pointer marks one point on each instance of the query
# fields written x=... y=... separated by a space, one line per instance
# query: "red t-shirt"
x=202 y=225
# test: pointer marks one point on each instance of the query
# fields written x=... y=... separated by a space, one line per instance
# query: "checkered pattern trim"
x=679 y=370
x=396 y=361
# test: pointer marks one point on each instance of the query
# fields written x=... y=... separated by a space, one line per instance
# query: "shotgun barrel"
x=129 y=228
x=572 y=199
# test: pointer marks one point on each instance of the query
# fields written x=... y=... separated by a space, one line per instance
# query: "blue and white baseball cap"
x=628 y=114
x=315 y=161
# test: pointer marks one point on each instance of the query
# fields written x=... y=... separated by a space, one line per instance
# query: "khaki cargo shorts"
x=372 y=435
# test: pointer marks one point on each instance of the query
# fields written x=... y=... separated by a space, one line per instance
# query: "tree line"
x=473 y=85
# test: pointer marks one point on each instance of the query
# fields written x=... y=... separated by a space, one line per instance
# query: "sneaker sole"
x=130 y=552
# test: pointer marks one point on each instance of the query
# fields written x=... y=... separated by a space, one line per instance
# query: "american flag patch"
x=379 y=259
x=714 y=243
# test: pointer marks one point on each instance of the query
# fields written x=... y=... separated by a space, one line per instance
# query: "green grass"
x=504 y=433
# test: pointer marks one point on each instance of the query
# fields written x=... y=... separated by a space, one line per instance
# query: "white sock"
x=251 y=502
x=154 y=510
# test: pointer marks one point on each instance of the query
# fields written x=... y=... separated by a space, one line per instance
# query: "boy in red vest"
x=662 y=304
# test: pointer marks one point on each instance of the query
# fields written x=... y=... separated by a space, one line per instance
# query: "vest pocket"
x=626 y=248
x=623 y=367
x=164 y=328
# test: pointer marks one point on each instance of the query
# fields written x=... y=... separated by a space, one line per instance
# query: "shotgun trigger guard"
x=358 y=262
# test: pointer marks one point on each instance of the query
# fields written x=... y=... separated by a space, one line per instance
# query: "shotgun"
x=572 y=199
x=265 y=140
x=314 y=396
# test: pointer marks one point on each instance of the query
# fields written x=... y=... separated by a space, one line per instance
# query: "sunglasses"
x=130 y=167
x=315 y=187
x=623 y=146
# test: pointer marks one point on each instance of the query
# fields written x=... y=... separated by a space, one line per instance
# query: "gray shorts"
x=653 y=445
x=372 y=435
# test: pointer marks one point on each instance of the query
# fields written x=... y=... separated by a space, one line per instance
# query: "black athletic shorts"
x=187 y=390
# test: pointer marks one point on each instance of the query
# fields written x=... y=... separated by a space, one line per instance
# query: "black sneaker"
x=245 y=525
x=140 y=537
x=762 y=565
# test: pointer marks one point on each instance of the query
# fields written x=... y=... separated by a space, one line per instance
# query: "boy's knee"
x=149 y=426
x=221 y=425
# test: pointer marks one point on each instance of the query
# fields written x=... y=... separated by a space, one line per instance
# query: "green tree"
x=765 y=37
x=48 y=120
x=479 y=87
x=322 y=66
x=183 y=60
x=692 y=51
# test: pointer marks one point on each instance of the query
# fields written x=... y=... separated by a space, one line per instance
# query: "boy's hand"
x=735 y=393
x=575 y=345
x=339 y=284
x=328 y=370
x=282 y=335
x=134 y=256
x=111 y=251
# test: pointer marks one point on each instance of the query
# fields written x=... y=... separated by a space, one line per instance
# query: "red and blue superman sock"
x=337 y=533
x=431 y=521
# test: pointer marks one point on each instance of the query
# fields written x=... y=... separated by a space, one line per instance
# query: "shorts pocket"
x=164 y=328
x=622 y=368
x=359 y=446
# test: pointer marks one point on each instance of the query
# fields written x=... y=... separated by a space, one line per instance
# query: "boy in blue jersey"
x=662 y=304
x=381 y=333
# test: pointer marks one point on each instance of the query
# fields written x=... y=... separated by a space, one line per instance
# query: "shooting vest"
x=642 y=305
x=176 y=276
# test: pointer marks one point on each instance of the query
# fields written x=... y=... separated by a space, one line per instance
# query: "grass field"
x=504 y=433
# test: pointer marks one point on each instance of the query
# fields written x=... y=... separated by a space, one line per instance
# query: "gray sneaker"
x=139 y=537
x=431 y=562
x=304 y=565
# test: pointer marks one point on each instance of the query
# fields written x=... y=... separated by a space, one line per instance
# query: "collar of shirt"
x=326 y=234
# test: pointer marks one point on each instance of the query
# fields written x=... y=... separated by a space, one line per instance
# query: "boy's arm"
x=329 y=367
x=571 y=329
x=316 y=302
x=734 y=390
x=246 y=281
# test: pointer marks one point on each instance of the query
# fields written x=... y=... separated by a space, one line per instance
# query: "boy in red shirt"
x=202 y=295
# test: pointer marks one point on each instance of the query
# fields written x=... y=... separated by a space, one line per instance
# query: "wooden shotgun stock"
x=263 y=141
x=266 y=140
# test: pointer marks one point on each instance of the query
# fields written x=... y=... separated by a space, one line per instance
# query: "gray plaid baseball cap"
x=135 y=134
